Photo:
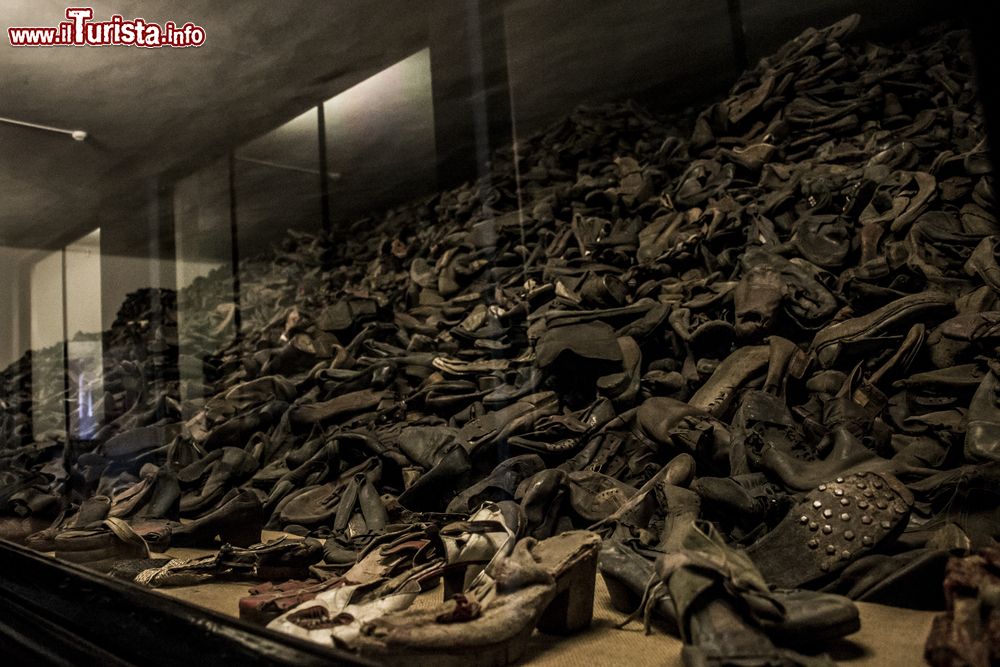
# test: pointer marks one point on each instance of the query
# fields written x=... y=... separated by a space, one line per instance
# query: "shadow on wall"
x=562 y=54
x=769 y=23
x=668 y=53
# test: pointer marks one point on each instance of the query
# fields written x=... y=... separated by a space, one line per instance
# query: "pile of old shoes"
x=547 y=583
x=779 y=318
x=27 y=503
x=100 y=546
x=966 y=634
x=279 y=559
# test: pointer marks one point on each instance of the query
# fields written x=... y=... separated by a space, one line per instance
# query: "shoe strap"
x=125 y=533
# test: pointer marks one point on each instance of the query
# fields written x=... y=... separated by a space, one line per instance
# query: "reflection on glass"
x=47 y=333
x=204 y=247
x=380 y=139
x=86 y=387
x=15 y=366
x=278 y=184
x=202 y=236
x=83 y=326
x=14 y=299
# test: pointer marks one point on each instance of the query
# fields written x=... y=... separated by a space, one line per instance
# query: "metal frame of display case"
x=56 y=613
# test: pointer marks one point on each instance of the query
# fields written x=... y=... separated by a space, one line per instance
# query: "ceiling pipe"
x=78 y=135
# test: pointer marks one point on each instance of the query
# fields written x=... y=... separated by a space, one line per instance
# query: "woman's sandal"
x=548 y=584
x=469 y=546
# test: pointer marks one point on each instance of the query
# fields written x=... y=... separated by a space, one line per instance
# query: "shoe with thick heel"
x=547 y=584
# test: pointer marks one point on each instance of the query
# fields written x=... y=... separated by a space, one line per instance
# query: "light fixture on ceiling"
x=78 y=135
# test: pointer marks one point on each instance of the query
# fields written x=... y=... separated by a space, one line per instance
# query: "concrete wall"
x=669 y=52
x=47 y=327
x=769 y=23
x=203 y=240
x=83 y=285
x=561 y=54
x=380 y=139
x=31 y=295
x=15 y=334
x=137 y=247
x=47 y=316
x=278 y=184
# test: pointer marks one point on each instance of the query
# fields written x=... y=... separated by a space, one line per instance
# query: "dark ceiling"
x=148 y=111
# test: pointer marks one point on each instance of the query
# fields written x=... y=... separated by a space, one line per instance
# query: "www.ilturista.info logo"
x=80 y=30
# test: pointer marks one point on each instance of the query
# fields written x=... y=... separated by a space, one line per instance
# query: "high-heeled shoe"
x=470 y=545
x=548 y=584
x=334 y=617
